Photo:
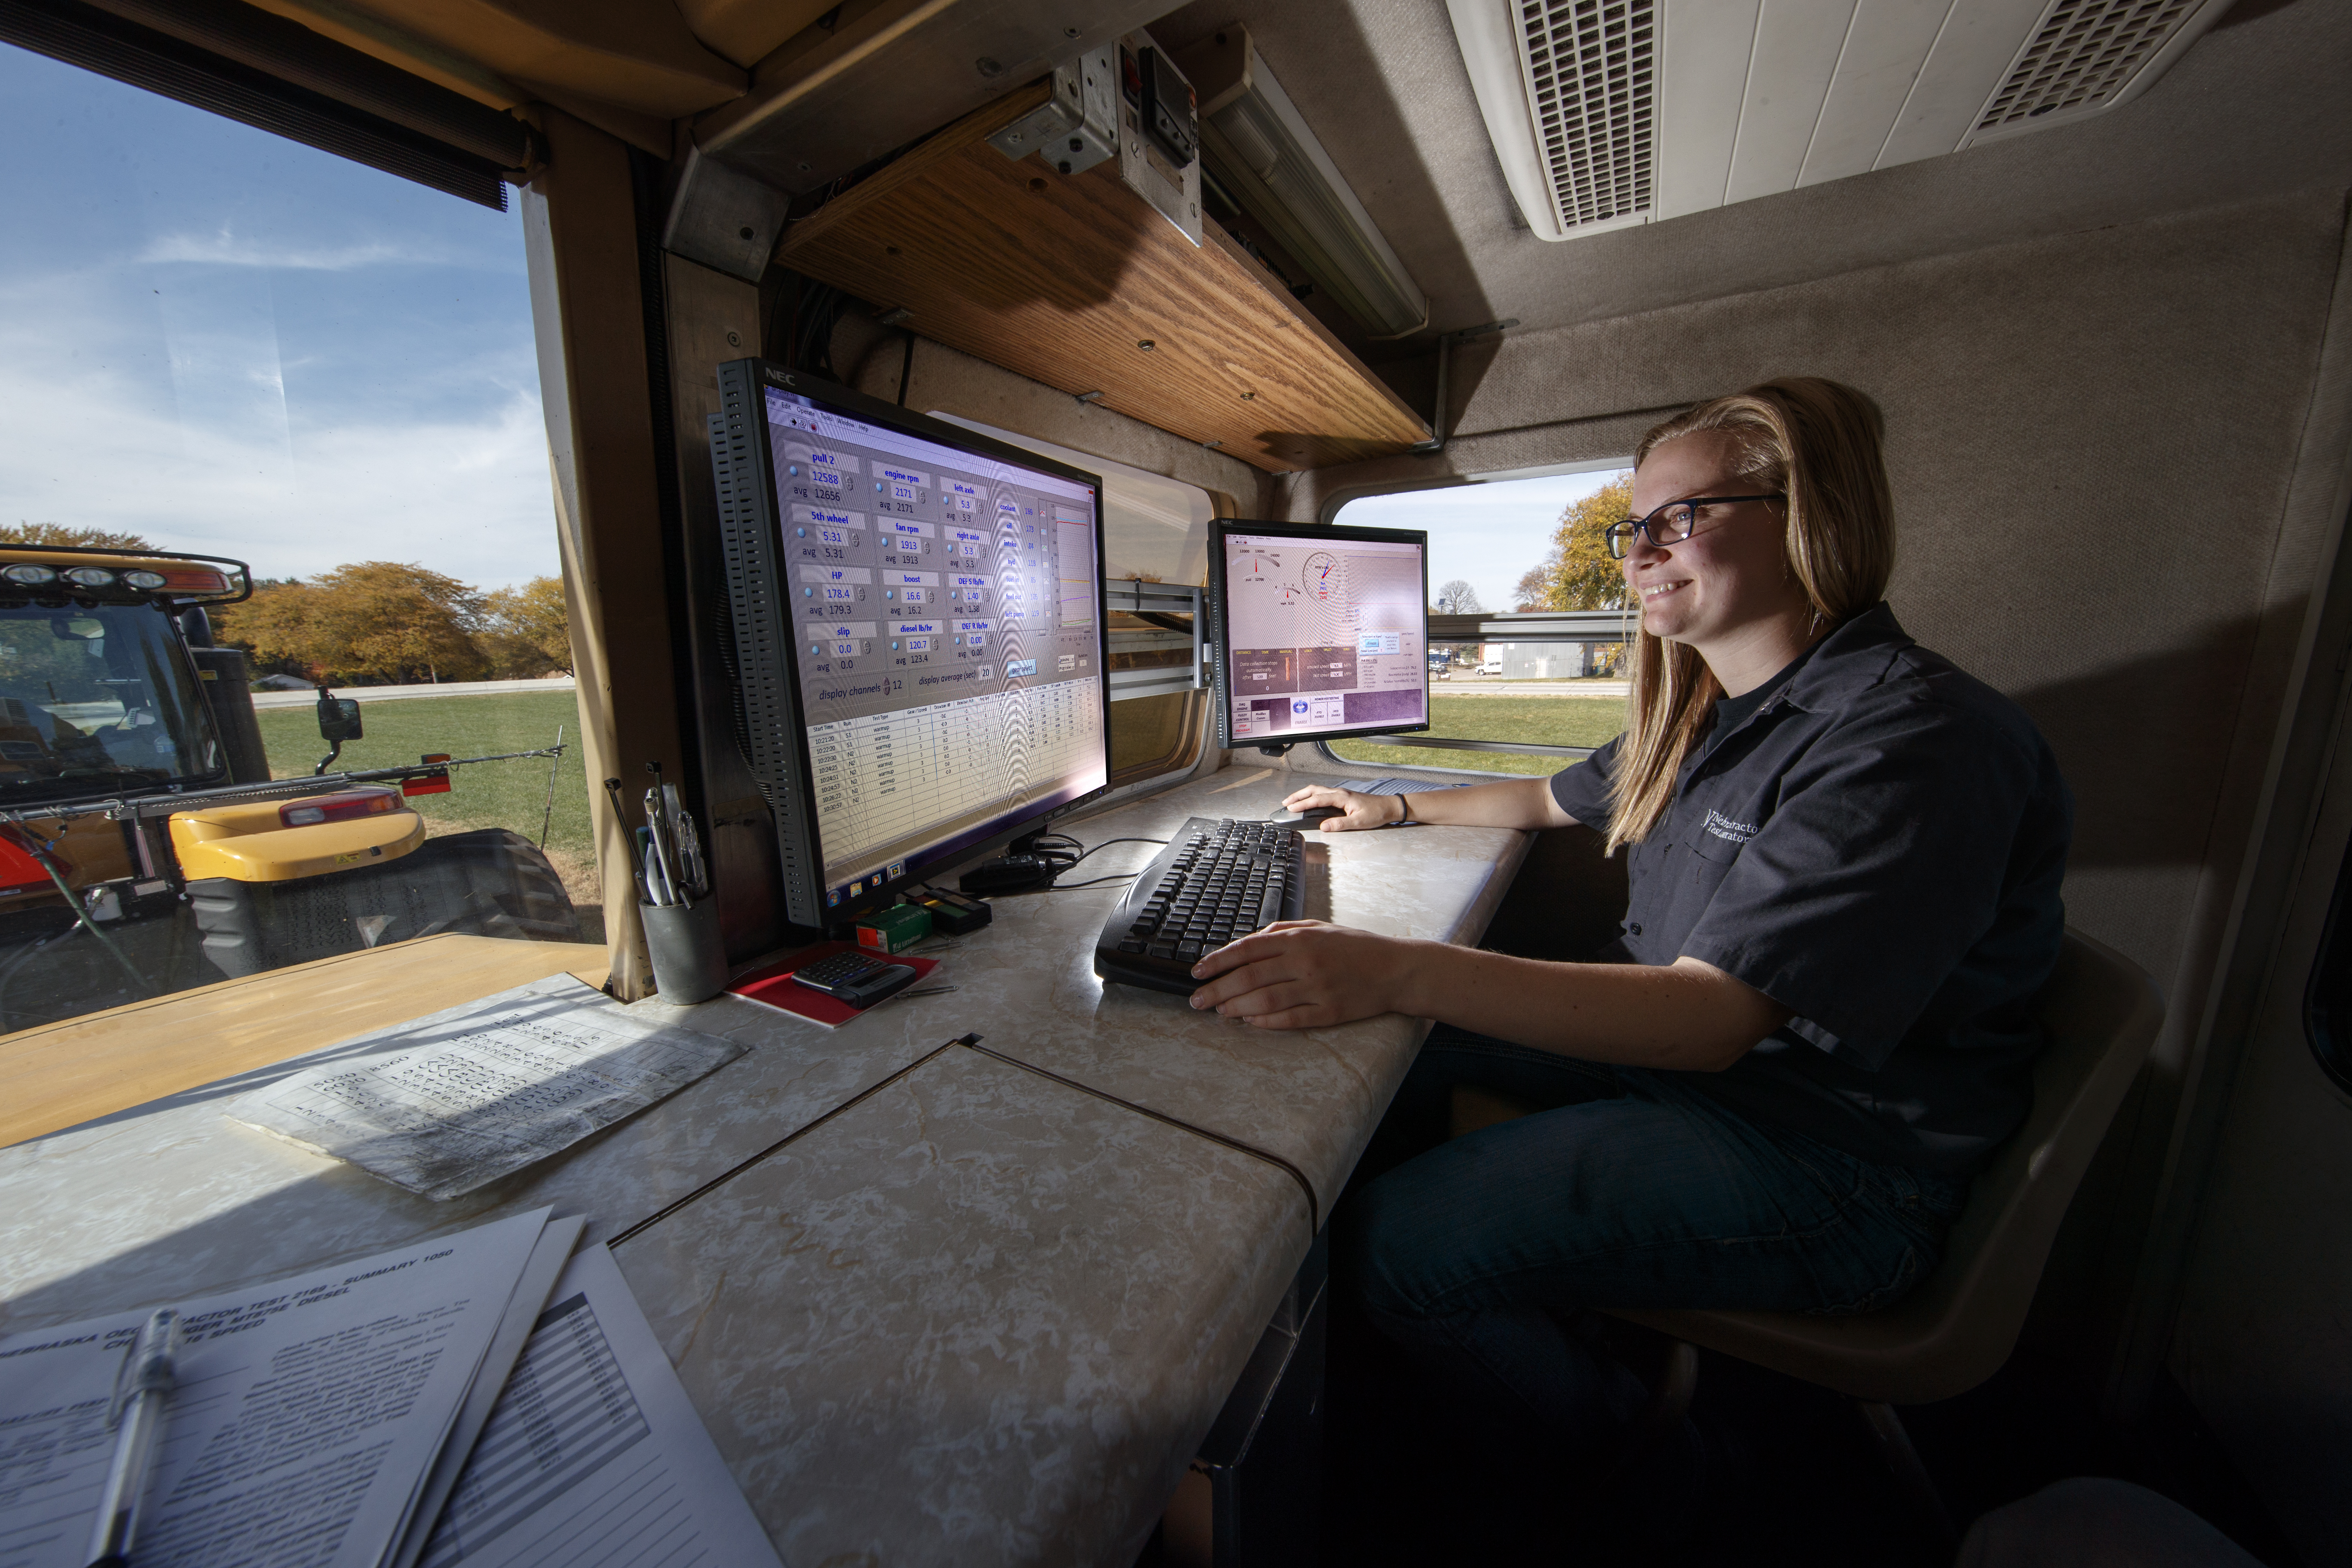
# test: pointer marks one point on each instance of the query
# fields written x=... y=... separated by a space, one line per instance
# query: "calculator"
x=860 y=979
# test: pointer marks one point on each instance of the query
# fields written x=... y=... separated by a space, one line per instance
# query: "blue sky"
x=1486 y=534
x=230 y=343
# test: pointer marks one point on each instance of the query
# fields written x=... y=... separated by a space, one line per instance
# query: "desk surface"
x=935 y=1303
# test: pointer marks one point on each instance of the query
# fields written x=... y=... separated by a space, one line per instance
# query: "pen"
x=147 y=1379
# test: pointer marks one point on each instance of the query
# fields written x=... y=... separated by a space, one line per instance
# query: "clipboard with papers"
x=409 y=1408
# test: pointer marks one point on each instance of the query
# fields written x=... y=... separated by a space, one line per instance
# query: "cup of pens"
x=674 y=902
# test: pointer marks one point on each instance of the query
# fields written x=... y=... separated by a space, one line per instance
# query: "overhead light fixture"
x=1259 y=148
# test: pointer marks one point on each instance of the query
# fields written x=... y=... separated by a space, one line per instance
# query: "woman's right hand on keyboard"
x=1363 y=810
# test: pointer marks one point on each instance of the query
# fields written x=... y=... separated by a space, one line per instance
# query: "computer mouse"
x=1282 y=817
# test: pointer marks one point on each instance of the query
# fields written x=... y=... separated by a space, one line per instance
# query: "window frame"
x=1328 y=513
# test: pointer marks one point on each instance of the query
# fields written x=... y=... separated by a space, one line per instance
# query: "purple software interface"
x=1323 y=634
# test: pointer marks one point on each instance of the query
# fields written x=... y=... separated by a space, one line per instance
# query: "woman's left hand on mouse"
x=1302 y=974
x=1362 y=810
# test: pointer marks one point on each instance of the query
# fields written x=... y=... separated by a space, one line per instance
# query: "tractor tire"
x=489 y=882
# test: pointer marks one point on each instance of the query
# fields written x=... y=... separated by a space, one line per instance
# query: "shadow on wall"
x=2144 y=743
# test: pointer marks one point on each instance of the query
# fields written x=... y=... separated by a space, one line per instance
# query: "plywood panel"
x=69 y=1073
x=1063 y=278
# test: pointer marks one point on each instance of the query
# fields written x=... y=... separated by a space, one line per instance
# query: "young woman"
x=1844 y=857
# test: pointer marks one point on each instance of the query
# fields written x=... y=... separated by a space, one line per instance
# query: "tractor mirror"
x=339 y=718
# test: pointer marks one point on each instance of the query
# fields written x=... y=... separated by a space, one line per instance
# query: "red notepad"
x=776 y=987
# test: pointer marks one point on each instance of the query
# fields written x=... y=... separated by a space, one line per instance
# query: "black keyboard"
x=1215 y=882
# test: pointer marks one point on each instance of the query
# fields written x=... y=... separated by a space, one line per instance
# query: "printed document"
x=451 y=1102
x=306 y=1421
x=594 y=1454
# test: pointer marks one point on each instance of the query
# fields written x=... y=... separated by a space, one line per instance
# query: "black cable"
x=1108 y=842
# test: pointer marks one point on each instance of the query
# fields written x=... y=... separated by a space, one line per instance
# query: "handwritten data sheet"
x=454 y=1101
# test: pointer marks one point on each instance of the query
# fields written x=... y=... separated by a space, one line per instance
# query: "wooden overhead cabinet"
x=1074 y=281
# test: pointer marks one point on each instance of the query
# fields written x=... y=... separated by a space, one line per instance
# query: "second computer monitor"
x=1317 y=633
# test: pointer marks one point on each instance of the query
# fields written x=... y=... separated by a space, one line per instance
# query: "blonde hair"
x=1817 y=442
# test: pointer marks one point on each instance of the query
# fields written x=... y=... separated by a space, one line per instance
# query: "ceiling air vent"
x=2084 y=56
x=1610 y=113
x=1591 y=74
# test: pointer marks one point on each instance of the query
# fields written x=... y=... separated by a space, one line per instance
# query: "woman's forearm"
x=1511 y=802
x=1687 y=1016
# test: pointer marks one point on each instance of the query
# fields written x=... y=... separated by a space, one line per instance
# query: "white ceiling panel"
x=1972 y=53
x=1703 y=82
x=1884 y=49
x=1798 y=46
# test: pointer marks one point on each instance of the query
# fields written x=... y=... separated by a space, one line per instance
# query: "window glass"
x=1499 y=548
x=217 y=341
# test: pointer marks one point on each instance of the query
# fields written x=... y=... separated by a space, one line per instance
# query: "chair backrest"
x=2103 y=1013
x=1960 y=1325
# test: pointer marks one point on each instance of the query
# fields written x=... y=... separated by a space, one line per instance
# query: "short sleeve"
x=1582 y=791
x=1882 y=864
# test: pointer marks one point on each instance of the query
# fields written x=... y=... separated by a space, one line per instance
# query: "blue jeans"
x=1634 y=1190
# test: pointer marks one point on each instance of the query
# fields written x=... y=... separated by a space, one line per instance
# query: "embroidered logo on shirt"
x=1724 y=828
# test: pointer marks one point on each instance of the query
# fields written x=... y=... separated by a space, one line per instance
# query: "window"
x=1511 y=696
x=218 y=341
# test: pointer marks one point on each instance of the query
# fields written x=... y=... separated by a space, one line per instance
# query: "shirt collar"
x=1854 y=657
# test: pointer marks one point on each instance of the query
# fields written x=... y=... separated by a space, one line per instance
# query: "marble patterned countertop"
x=936 y=1303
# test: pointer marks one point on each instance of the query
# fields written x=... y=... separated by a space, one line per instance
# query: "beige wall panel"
x=869 y=357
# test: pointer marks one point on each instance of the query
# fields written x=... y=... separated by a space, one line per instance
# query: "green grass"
x=490 y=794
x=1531 y=720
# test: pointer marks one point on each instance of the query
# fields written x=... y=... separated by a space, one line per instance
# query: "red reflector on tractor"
x=435 y=783
x=338 y=808
x=18 y=869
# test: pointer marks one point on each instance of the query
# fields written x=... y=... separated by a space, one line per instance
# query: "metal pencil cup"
x=690 y=961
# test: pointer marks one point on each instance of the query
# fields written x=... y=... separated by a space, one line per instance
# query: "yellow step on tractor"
x=144 y=846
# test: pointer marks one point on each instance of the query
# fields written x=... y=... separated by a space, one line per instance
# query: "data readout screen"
x=1323 y=634
x=951 y=653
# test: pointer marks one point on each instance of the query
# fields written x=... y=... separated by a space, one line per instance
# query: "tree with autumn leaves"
x=1578 y=573
x=387 y=622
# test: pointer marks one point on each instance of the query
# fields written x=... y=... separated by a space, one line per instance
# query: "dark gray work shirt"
x=1877 y=847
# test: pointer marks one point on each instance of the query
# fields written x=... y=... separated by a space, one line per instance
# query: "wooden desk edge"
x=63 y=1074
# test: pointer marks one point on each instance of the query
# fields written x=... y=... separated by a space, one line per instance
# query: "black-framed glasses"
x=1671 y=524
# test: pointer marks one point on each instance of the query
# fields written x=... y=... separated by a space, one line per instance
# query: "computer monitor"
x=1317 y=634
x=919 y=633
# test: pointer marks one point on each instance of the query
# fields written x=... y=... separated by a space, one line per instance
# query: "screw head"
x=1037 y=187
x=803 y=167
x=734 y=340
x=1146 y=344
x=1069 y=32
x=745 y=232
x=988 y=67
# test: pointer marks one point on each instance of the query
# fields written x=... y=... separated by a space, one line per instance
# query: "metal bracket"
x=1078 y=127
x=724 y=218
x=1445 y=341
x=1141 y=598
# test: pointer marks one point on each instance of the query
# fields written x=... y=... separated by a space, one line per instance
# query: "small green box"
x=894 y=929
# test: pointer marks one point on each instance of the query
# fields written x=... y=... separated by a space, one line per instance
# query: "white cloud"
x=223 y=248
x=467 y=496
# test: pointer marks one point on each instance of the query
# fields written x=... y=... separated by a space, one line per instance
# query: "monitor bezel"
x=766 y=374
x=1221 y=654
